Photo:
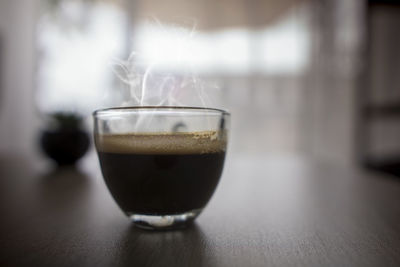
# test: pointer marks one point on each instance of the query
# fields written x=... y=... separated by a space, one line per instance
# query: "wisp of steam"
x=151 y=83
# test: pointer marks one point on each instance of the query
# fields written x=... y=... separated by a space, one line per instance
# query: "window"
x=281 y=49
x=77 y=41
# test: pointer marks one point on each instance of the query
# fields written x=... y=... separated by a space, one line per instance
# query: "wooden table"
x=265 y=212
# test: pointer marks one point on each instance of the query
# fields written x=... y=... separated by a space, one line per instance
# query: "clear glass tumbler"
x=161 y=164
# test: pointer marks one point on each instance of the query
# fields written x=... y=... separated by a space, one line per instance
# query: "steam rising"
x=150 y=82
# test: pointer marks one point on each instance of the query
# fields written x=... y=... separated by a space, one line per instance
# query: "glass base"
x=164 y=222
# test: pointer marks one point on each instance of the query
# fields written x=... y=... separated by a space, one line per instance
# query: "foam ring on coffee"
x=162 y=143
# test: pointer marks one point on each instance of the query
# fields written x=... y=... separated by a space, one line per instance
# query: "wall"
x=331 y=109
x=17 y=21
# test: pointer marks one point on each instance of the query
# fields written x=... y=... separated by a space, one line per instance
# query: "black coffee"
x=161 y=174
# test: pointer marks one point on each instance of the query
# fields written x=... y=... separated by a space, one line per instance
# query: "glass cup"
x=161 y=164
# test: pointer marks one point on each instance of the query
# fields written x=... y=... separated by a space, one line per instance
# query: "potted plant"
x=64 y=140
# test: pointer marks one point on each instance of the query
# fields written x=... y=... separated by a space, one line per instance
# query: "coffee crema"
x=162 y=143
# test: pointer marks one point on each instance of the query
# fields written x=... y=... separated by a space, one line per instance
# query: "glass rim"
x=101 y=111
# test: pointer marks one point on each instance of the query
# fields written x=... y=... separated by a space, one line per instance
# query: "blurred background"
x=318 y=79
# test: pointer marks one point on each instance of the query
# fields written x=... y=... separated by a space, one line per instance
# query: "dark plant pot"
x=65 y=146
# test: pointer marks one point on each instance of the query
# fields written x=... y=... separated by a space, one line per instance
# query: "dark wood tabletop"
x=266 y=212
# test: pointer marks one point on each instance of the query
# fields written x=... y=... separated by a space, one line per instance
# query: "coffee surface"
x=162 y=143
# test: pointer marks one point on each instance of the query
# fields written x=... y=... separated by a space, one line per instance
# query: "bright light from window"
x=279 y=49
x=75 y=71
